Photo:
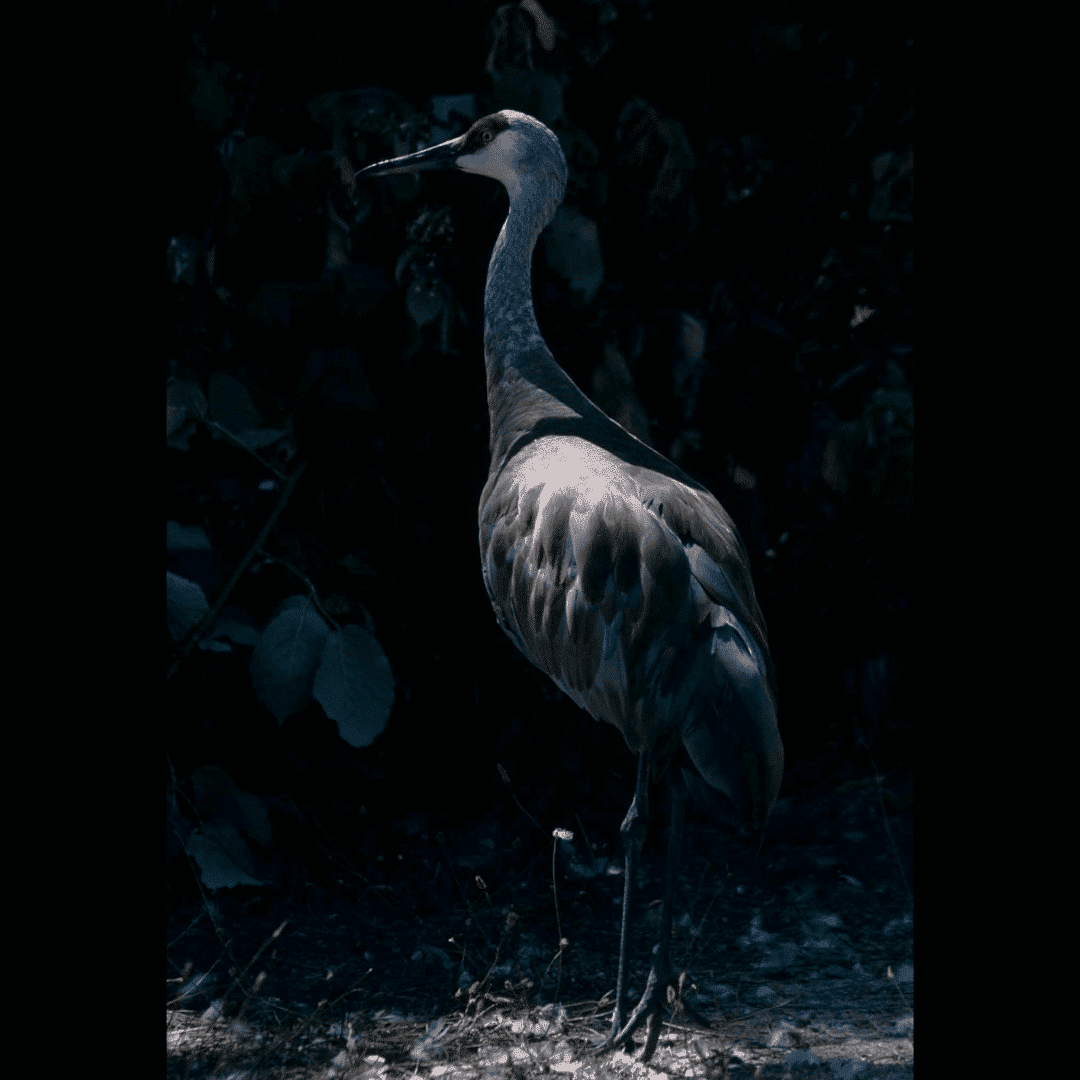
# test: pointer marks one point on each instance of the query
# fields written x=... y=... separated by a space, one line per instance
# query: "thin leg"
x=662 y=975
x=632 y=831
x=662 y=953
x=674 y=854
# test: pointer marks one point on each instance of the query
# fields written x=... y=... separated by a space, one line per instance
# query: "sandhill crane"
x=612 y=570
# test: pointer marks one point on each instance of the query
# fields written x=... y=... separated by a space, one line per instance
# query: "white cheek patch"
x=496 y=160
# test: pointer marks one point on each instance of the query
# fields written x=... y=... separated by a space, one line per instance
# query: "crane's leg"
x=662 y=986
x=633 y=831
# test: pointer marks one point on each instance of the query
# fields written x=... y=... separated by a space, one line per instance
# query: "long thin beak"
x=442 y=156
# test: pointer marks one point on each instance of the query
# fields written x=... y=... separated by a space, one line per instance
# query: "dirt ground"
x=802 y=958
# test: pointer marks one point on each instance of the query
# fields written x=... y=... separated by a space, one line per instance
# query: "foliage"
x=731 y=278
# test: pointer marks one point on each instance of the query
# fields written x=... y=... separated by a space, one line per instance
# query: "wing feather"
x=632 y=591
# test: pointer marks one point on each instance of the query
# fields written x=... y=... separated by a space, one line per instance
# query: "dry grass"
x=831 y=1027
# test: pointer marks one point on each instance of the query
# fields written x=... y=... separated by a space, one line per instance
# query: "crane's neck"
x=524 y=383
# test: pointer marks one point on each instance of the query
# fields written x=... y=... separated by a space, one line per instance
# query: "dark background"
x=752 y=173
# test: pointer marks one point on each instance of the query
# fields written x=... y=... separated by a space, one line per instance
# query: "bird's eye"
x=486 y=137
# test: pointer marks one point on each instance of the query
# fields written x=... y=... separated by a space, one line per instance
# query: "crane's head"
x=511 y=147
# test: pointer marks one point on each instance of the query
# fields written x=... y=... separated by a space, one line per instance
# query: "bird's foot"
x=661 y=989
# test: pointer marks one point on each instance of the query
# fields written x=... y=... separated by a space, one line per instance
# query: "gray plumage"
x=613 y=571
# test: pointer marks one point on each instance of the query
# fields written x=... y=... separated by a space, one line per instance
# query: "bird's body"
x=607 y=566
x=627 y=584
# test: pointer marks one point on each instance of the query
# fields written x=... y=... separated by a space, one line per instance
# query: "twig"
x=276 y=1044
x=481 y=884
x=505 y=777
x=225 y=433
x=554 y=886
x=247 y=967
x=183 y=997
x=557 y=835
x=219 y=930
x=468 y=904
x=336 y=851
x=696 y=942
x=313 y=594
x=585 y=836
x=485 y=983
x=208 y=619
x=892 y=978
x=885 y=816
